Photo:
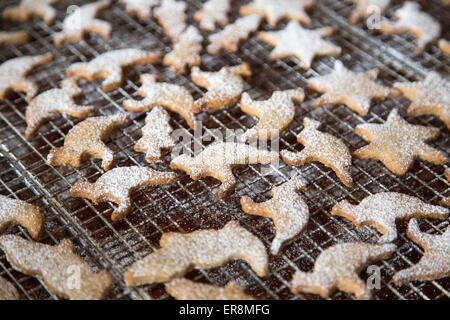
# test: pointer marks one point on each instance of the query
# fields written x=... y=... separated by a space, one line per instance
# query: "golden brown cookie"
x=8 y=291
x=87 y=139
x=224 y=86
x=444 y=45
x=398 y=144
x=383 y=209
x=211 y=248
x=446 y=201
x=109 y=66
x=365 y=9
x=62 y=271
x=218 y=159
x=324 y=148
x=337 y=268
x=29 y=8
x=172 y=17
x=287 y=209
x=141 y=8
x=13 y=37
x=213 y=12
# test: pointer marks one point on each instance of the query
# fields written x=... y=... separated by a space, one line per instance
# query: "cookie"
x=430 y=96
x=324 y=148
x=29 y=8
x=51 y=102
x=170 y=96
x=232 y=34
x=274 y=114
x=435 y=262
x=224 y=86
x=13 y=37
x=13 y=211
x=213 y=12
x=83 y=20
x=354 y=89
x=446 y=201
x=118 y=184
x=337 y=268
x=211 y=248
x=305 y=44
x=87 y=140
x=172 y=17
x=13 y=74
x=186 y=51
x=109 y=66
x=444 y=45
x=56 y=266
x=382 y=210
x=141 y=8
x=8 y=291
x=155 y=135
x=217 y=161
x=419 y=23
x=365 y=9
x=287 y=209
x=184 y=289
x=275 y=10
x=397 y=144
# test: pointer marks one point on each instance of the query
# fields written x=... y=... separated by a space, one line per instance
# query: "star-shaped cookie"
x=398 y=144
x=365 y=9
x=213 y=12
x=13 y=37
x=141 y=8
x=354 y=89
x=302 y=43
x=429 y=96
x=28 y=8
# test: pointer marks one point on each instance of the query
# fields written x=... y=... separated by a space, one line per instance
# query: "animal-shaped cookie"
x=435 y=262
x=62 y=271
x=87 y=139
x=274 y=114
x=13 y=74
x=305 y=44
x=155 y=135
x=397 y=144
x=118 y=184
x=411 y=19
x=218 y=159
x=8 y=291
x=324 y=148
x=354 y=89
x=429 y=96
x=211 y=248
x=213 y=12
x=171 y=16
x=170 y=96
x=367 y=8
x=141 y=8
x=13 y=37
x=444 y=45
x=83 y=20
x=224 y=86
x=287 y=209
x=381 y=211
x=47 y=104
x=109 y=66
x=337 y=268
x=446 y=201
x=184 y=289
x=13 y=211
x=29 y=8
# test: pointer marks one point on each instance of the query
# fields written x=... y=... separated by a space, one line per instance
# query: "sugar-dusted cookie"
x=381 y=211
x=47 y=104
x=28 y=8
x=118 y=184
x=141 y=8
x=186 y=51
x=170 y=96
x=398 y=144
x=411 y=19
x=13 y=37
x=287 y=209
x=184 y=289
x=213 y=12
x=305 y=44
x=446 y=201
x=365 y=8
x=337 y=268
x=224 y=86
x=218 y=159
x=429 y=96
x=444 y=45
x=87 y=139
x=109 y=66
x=13 y=74
x=232 y=34
x=62 y=271
x=155 y=135
x=172 y=17
x=83 y=20
x=324 y=148
x=8 y=291
x=354 y=89
x=275 y=10
x=274 y=114
x=435 y=262
x=13 y=211
x=203 y=249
